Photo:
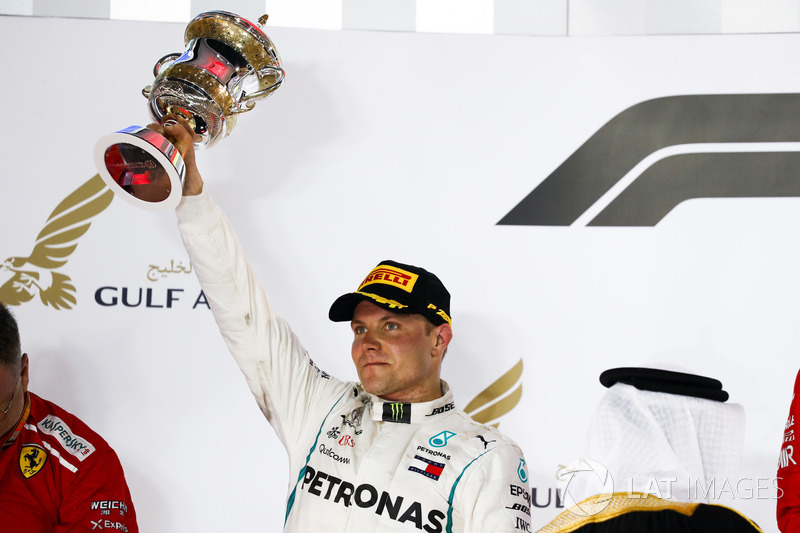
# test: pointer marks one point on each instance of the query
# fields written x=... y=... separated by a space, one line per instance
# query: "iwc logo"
x=31 y=460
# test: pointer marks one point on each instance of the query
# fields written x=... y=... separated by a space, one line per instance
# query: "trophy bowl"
x=229 y=64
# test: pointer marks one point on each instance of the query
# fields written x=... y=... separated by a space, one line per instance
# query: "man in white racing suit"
x=391 y=453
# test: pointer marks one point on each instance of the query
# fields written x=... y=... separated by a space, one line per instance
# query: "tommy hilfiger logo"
x=426 y=467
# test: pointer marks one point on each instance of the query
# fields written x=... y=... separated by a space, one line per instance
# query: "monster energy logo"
x=397 y=412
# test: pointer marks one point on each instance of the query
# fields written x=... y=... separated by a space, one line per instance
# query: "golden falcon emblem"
x=37 y=274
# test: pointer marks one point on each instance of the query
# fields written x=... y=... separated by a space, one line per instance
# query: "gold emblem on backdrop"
x=498 y=399
x=24 y=278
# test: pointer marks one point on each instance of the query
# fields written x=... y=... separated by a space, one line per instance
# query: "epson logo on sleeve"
x=72 y=443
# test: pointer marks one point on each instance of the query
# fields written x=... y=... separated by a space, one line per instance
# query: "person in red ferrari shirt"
x=789 y=471
x=56 y=474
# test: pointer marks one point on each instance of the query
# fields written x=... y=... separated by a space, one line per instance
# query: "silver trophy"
x=228 y=65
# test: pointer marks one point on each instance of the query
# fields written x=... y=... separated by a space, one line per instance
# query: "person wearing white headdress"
x=664 y=449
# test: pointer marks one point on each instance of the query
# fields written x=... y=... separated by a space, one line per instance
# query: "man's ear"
x=24 y=372
x=444 y=334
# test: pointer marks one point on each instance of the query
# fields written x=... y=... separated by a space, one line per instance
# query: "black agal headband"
x=657 y=380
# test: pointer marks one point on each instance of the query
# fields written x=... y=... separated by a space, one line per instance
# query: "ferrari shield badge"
x=31 y=459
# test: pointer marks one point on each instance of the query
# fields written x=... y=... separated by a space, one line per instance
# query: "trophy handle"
x=169 y=58
x=249 y=102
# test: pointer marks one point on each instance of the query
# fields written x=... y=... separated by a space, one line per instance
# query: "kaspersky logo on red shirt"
x=72 y=443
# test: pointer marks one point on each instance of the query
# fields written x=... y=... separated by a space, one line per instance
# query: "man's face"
x=396 y=358
x=13 y=385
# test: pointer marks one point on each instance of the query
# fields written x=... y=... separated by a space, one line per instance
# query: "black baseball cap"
x=400 y=288
x=657 y=380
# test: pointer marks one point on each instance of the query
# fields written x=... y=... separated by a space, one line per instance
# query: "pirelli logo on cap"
x=389 y=275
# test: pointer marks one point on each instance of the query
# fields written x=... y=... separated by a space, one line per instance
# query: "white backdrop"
x=403 y=146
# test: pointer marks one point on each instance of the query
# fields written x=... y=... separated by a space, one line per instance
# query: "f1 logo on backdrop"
x=658 y=153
